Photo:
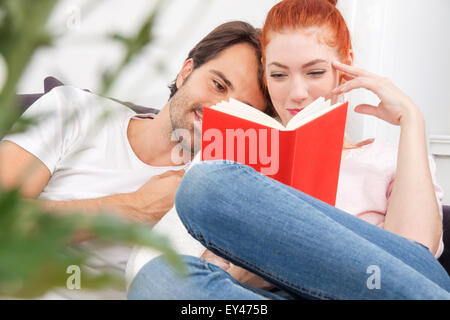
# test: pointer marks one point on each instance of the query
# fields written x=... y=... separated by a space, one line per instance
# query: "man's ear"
x=186 y=69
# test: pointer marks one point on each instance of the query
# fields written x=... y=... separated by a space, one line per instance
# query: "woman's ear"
x=186 y=69
x=350 y=57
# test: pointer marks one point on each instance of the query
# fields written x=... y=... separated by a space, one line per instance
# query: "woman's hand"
x=238 y=273
x=395 y=106
x=214 y=259
x=248 y=278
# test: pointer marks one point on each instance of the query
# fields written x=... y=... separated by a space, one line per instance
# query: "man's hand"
x=146 y=205
x=155 y=198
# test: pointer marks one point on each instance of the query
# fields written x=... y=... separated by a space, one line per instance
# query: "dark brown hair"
x=222 y=38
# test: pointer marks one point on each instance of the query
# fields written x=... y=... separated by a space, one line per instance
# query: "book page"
x=314 y=111
x=244 y=111
x=311 y=108
x=241 y=110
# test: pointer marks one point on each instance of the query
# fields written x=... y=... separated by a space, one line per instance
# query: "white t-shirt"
x=82 y=139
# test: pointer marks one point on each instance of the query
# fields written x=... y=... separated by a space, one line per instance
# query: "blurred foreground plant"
x=34 y=250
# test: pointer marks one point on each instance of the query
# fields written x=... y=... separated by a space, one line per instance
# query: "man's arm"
x=19 y=168
x=146 y=205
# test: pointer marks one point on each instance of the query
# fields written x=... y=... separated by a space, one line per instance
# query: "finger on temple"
x=349 y=70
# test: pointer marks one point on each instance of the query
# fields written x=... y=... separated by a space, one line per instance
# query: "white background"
x=405 y=40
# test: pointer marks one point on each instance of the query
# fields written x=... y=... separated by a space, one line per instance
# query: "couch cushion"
x=444 y=259
x=26 y=100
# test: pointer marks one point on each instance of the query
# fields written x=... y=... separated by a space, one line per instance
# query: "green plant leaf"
x=34 y=244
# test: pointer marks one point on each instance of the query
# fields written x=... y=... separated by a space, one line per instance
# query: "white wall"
x=83 y=53
x=405 y=40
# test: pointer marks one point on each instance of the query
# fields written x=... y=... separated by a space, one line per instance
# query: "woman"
x=380 y=242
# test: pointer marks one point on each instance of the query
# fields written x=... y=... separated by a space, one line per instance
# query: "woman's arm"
x=413 y=211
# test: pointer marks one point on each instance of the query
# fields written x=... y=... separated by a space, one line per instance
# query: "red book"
x=306 y=154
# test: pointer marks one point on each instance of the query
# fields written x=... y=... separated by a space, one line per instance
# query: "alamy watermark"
x=252 y=146
x=73 y=21
x=374 y=280
x=73 y=282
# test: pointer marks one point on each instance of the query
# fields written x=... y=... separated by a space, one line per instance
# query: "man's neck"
x=151 y=140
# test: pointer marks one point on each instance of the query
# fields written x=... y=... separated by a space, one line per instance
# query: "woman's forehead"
x=296 y=45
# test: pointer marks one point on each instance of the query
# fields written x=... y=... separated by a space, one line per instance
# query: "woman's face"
x=298 y=71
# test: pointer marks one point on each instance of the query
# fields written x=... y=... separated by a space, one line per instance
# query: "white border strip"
x=440 y=145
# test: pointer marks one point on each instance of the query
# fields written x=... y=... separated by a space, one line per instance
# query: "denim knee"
x=158 y=280
x=202 y=177
x=205 y=181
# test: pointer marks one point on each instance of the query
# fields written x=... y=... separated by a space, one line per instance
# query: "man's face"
x=231 y=74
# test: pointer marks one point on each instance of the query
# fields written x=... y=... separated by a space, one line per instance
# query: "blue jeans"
x=305 y=247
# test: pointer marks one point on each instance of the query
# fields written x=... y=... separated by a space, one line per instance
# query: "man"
x=125 y=163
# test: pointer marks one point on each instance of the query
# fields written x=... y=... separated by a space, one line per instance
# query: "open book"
x=306 y=154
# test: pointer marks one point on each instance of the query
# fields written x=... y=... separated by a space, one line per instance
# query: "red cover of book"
x=307 y=158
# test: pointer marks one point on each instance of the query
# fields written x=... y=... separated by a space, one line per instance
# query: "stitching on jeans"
x=314 y=293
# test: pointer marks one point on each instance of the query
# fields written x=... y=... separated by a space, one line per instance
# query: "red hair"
x=301 y=14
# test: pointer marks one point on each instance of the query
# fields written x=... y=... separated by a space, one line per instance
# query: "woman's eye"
x=218 y=86
x=316 y=73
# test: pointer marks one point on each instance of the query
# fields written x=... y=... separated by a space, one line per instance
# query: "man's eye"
x=219 y=87
x=276 y=75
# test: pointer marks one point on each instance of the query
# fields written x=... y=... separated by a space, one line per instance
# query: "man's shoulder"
x=71 y=96
x=69 y=92
x=72 y=99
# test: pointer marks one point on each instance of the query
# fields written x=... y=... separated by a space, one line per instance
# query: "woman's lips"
x=294 y=111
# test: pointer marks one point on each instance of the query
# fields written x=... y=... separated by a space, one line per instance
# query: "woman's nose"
x=298 y=91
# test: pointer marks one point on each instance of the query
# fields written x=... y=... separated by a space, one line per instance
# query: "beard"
x=182 y=120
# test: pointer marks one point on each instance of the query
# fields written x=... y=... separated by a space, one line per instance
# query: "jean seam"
x=314 y=293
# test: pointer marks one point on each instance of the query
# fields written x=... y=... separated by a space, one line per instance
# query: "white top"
x=82 y=139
